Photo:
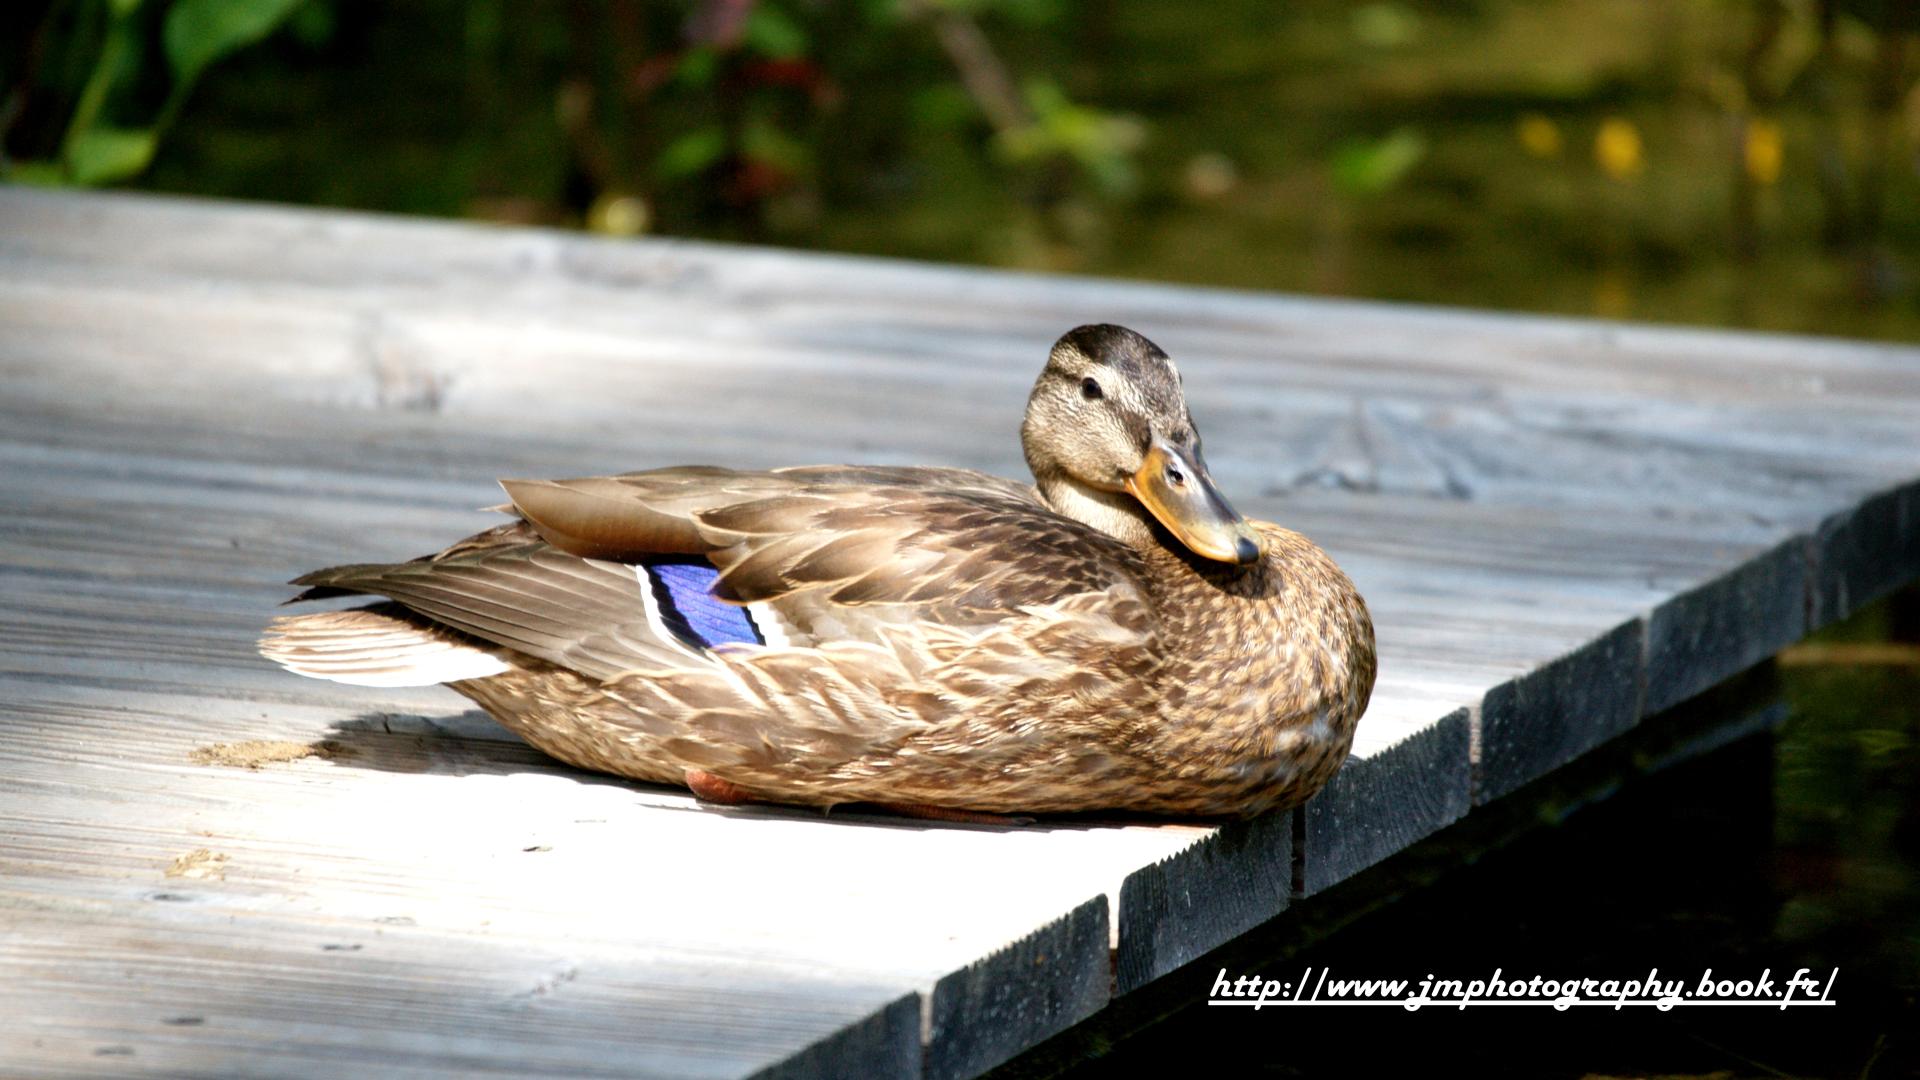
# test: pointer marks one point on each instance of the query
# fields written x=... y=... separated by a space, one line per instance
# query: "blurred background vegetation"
x=1732 y=162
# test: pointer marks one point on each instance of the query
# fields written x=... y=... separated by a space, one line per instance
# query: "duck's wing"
x=653 y=571
x=504 y=587
x=828 y=554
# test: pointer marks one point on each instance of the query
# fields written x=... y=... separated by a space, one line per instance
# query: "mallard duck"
x=935 y=640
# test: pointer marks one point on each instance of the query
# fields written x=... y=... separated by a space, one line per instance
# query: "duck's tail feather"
x=379 y=645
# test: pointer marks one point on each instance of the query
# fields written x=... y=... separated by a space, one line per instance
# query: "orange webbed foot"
x=710 y=788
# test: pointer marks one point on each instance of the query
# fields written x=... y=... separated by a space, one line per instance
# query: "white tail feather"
x=371 y=647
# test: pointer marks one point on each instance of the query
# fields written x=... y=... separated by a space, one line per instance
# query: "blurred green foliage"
x=1734 y=162
x=101 y=145
x=1373 y=166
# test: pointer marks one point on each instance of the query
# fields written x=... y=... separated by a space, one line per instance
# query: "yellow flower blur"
x=1618 y=149
x=1539 y=136
x=1765 y=151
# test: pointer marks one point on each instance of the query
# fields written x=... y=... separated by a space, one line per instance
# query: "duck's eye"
x=1090 y=389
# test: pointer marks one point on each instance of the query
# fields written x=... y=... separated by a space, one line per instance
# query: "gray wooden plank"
x=886 y=1044
x=363 y=804
x=1560 y=710
x=154 y=985
x=358 y=847
x=442 y=260
x=1863 y=553
x=1383 y=802
x=1179 y=908
x=1708 y=634
x=787 y=305
x=427 y=260
x=1035 y=988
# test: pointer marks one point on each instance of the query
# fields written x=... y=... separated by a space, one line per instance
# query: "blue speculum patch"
x=688 y=607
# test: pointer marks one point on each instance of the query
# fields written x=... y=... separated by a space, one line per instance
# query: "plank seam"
x=1475 y=781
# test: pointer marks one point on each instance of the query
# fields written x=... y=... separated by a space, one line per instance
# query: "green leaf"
x=691 y=153
x=1370 y=168
x=199 y=32
x=698 y=67
x=762 y=141
x=102 y=155
x=35 y=173
x=118 y=59
x=1101 y=143
x=1045 y=97
x=772 y=34
x=942 y=107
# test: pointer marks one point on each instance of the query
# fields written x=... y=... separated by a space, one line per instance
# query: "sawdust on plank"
x=199 y=863
x=257 y=752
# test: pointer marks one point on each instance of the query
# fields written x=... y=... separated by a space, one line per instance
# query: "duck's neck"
x=1112 y=512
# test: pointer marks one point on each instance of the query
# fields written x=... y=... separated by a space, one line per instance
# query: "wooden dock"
x=211 y=867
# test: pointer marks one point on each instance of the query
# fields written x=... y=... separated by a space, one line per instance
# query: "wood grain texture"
x=1708 y=634
x=1179 y=908
x=200 y=400
x=1560 y=710
x=1382 y=803
x=1863 y=553
x=1035 y=988
x=886 y=1044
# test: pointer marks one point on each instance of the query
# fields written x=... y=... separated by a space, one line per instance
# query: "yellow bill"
x=1174 y=485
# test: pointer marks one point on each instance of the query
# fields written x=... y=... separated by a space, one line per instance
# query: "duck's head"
x=1110 y=441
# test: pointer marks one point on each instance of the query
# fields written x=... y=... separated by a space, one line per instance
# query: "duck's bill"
x=1174 y=485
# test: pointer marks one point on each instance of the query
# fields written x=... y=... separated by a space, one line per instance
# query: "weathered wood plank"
x=157 y=986
x=361 y=846
x=883 y=1045
x=1381 y=803
x=398 y=264
x=1863 y=553
x=1177 y=909
x=1037 y=987
x=1558 y=711
x=1706 y=635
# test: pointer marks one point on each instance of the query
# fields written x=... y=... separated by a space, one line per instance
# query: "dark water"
x=1796 y=848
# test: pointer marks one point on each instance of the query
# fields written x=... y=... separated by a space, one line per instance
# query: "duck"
x=934 y=641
